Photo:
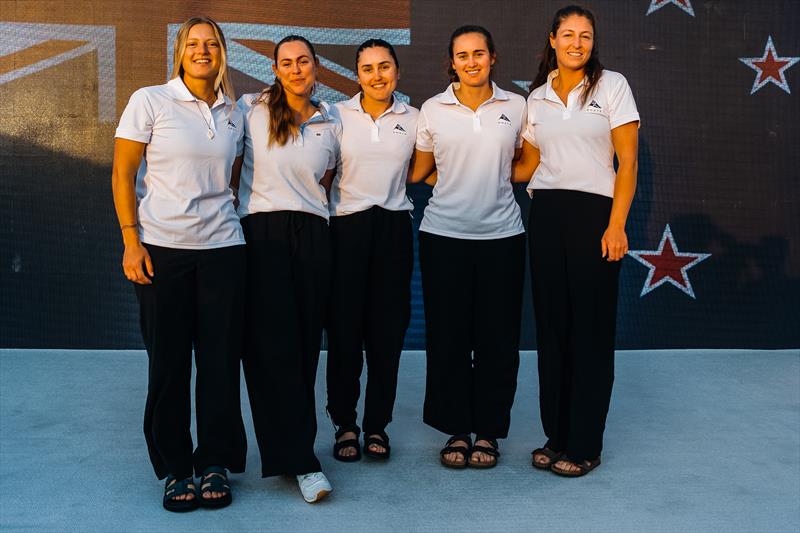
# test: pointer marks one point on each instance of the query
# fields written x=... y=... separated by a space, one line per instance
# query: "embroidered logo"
x=231 y=125
x=503 y=119
x=398 y=129
x=318 y=133
x=594 y=107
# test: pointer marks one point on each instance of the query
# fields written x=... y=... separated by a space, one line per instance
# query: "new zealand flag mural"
x=714 y=230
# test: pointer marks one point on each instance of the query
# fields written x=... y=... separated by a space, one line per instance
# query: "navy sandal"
x=380 y=439
x=215 y=479
x=584 y=467
x=463 y=450
x=550 y=455
x=490 y=450
x=348 y=443
x=174 y=488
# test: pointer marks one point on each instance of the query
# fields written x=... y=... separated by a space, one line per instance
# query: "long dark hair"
x=548 y=64
x=469 y=28
x=380 y=43
x=281 y=120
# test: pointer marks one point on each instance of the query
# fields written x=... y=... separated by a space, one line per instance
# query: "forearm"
x=624 y=190
x=124 y=192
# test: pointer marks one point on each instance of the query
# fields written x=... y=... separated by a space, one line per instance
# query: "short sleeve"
x=523 y=124
x=528 y=133
x=622 y=106
x=333 y=156
x=424 y=137
x=136 y=122
x=240 y=107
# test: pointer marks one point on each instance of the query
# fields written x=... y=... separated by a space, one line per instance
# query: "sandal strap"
x=457 y=449
x=379 y=437
x=492 y=449
x=349 y=443
x=214 y=479
x=547 y=452
x=179 y=487
x=344 y=429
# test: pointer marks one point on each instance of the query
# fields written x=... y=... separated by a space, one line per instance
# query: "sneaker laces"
x=312 y=476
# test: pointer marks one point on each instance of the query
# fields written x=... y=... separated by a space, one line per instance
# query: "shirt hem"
x=191 y=246
x=474 y=237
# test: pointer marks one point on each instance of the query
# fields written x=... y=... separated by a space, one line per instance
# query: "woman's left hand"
x=614 y=243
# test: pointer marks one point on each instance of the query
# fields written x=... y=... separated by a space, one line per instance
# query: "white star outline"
x=687 y=287
x=655 y=6
x=783 y=84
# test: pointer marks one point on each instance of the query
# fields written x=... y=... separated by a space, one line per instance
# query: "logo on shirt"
x=594 y=107
x=231 y=125
x=398 y=129
x=503 y=119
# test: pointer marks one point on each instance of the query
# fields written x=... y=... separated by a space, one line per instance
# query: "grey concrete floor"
x=696 y=441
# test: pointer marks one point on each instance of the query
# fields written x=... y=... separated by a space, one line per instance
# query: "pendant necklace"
x=209 y=132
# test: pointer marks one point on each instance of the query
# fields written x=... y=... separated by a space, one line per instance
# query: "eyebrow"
x=298 y=58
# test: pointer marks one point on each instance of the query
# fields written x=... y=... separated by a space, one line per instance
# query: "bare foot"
x=376 y=448
x=181 y=497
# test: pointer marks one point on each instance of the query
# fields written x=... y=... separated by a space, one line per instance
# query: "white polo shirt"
x=374 y=160
x=183 y=193
x=473 y=197
x=286 y=178
x=574 y=140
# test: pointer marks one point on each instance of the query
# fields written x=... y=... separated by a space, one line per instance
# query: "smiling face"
x=296 y=68
x=472 y=60
x=377 y=73
x=202 y=55
x=573 y=42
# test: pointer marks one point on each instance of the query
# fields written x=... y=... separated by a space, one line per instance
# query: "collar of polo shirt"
x=449 y=95
x=355 y=104
x=181 y=93
x=546 y=91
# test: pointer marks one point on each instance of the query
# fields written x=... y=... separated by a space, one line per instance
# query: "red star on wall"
x=770 y=68
x=685 y=5
x=667 y=265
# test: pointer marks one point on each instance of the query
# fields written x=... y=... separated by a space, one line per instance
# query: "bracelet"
x=123 y=227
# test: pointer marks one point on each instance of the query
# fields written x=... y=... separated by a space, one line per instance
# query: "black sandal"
x=215 y=479
x=552 y=457
x=492 y=451
x=584 y=467
x=349 y=443
x=463 y=450
x=379 y=439
x=174 y=488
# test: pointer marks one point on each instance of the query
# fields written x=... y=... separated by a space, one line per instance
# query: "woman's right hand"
x=136 y=264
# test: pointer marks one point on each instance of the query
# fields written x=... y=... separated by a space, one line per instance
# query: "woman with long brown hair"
x=579 y=116
x=290 y=151
x=184 y=251
x=471 y=252
x=373 y=253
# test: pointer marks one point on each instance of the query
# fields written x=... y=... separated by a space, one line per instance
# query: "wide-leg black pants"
x=575 y=302
x=472 y=290
x=195 y=300
x=288 y=280
x=370 y=306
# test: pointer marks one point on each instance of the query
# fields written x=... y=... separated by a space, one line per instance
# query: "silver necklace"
x=209 y=132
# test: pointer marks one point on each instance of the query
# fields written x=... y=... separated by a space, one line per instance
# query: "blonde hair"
x=223 y=80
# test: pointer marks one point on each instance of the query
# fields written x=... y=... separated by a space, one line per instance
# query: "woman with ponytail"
x=373 y=253
x=290 y=151
x=471 y=253
x=579 y=117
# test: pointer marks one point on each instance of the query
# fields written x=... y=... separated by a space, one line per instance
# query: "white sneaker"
x=314 y=486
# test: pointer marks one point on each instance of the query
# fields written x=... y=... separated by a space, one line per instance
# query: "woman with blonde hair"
x=290 y=151
x=184 y=252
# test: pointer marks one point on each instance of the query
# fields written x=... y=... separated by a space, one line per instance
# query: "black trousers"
x=288 y=279
x=373 y=256
x=575 y=302
x=472 y=291
x=196 y=300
